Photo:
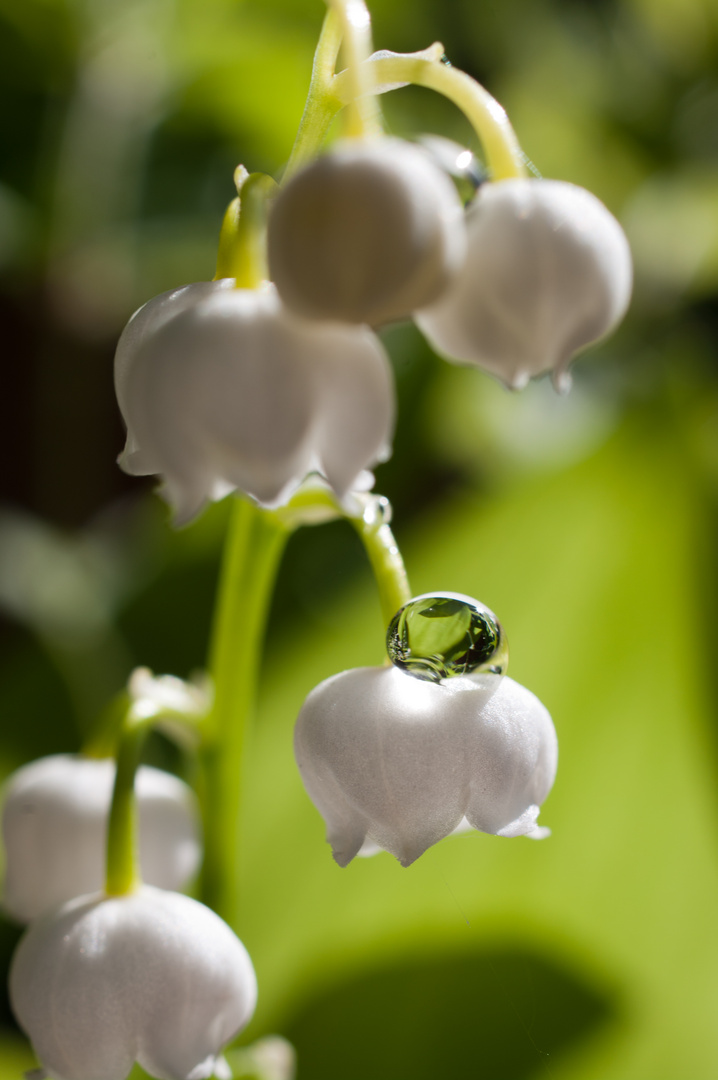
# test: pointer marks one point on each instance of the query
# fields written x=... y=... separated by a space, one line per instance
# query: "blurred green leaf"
x=594 y=574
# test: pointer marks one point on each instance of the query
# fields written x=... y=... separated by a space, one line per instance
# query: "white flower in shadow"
x=54 y=823
x=366 y=233
x=223 y=388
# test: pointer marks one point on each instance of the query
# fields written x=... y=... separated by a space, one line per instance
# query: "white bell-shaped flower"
x=54 y=823
x=401 y=761
x=366 y=234
x=548 y=272
x=143 y=324
x=152 y=977
x=232 y=391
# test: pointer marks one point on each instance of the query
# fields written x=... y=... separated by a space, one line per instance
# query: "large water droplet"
x=440 y=635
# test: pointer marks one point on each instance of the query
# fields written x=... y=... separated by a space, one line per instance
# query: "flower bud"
x=401 y=761
x=235 y=392
x=366 y=234
x=152 y=977
x=54 y=823
x=548 y=272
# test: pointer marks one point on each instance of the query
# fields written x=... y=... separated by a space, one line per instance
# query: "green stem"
x=361 y=118
x=322 y=105
x=493 y=128
x=254 y=546
x=242 y=253
x=123 y=873
x=105 y=738
x=383 y=553
x=314 y=503
x=253 y=549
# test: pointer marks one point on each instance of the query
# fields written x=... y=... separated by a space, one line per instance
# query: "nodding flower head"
x=548 y=272
x=152 y=977
x=402 y=761
x=230 y=391
x=366 y=233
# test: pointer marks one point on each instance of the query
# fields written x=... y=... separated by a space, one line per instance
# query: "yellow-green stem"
x=242 y=253
x=504 y=156
x=386 y=563
x=105 y=737
x=123 y=872
x=253 y=550
x=361 y=117
x=313 y=504
x=322 y=105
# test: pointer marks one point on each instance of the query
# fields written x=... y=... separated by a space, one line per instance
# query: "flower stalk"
x=384 y=555
x=489 y=120
x=254 y=546
x=361 y=115
x=321 y=105
x=123 y=873
x=242 y=253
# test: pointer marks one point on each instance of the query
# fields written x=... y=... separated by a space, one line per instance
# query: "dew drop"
x=377 y=511
x=440 y=635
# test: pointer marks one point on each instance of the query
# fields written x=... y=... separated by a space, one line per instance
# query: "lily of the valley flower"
x=54 y=823
x=400 y=761
x=232 y=391
x=152 y=977
x=548 y=272
x=145 y=322
x=366 y=234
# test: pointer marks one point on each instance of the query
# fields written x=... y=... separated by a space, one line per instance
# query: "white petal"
x=357 y=413
x=143 y=324
x=225 y=391
x=512 y=756
x=393 y=748
x=524 y=825
x=398 y=762
x=548 y=272
x=154 y=977
x=54 y=822
x=366 y=233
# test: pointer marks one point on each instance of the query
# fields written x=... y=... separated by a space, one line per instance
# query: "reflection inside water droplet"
x=442 y=635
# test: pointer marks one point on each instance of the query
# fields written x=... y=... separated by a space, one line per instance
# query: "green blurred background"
x=588 y=523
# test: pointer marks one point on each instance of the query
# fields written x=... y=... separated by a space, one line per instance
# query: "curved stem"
x=314 y=503
x=322 y=105
x=384 y=555
x=253 y=549
x=147 y=702
x=489 y=120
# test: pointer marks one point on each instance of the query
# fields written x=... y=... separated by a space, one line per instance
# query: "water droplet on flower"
x=437 y=636
x=377 y=511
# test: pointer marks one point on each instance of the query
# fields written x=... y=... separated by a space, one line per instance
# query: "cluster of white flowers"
x=100 y=982
x=224 y=388
x=251 y=389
